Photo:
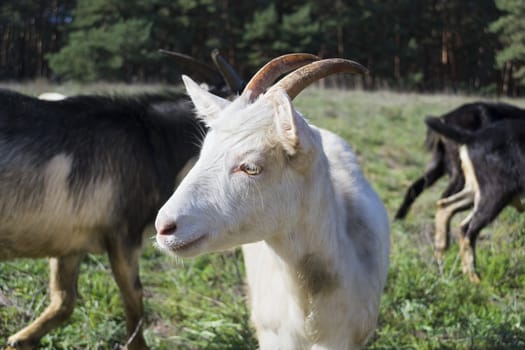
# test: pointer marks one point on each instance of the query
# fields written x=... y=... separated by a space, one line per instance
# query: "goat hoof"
x=439 y=253
x=17 y=344
x=138 y=346
x=132 y=348
x=474 y=277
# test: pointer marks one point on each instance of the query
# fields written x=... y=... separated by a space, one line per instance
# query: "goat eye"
x=250 y=168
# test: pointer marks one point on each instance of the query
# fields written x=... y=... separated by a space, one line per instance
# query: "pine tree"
x=106 y=38
x=511 y=29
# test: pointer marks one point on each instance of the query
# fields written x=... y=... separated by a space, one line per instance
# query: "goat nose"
x=167 y=228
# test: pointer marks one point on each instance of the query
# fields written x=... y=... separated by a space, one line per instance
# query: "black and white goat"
x=86 y=175
x=445 y=156
x=83 y=175
x=493 y=165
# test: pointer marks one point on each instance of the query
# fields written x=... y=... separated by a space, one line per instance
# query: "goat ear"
x=208 y=105
x=291 y=128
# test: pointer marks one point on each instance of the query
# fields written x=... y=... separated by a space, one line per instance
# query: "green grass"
x=200 y=303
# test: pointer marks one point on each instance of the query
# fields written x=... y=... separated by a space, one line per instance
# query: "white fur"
x=51 y=96
x=315 y=235
x=58 y=225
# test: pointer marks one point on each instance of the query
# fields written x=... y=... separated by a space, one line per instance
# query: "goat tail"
x=451 y=132
x=432 y=139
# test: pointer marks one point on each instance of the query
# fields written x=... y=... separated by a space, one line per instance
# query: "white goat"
x=315 y=235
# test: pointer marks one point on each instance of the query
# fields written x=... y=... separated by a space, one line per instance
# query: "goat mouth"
x=184 y=245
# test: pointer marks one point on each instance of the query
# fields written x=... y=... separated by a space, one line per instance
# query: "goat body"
x=86 y=175
x=314 y=234
x=493 y=163
x=318 y=284
x=445 y=155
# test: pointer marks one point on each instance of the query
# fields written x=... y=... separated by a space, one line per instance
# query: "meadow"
x=200 y=303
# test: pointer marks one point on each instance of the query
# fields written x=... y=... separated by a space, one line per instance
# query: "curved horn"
x=232 y=79
x=199 y=70
x=297 y=81
x=274 y=69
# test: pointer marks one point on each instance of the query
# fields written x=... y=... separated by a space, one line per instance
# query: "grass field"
x=200 y=303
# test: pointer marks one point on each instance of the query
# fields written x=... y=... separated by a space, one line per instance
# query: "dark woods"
x=427 y=45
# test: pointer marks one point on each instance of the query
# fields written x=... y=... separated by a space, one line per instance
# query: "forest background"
x=425 y=46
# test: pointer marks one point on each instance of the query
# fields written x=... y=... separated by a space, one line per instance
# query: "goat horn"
x=297 y=81
x=232 y=79
x=272 y=70
x=201 y=71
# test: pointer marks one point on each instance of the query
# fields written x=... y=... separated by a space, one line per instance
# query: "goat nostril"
x=168 y=229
